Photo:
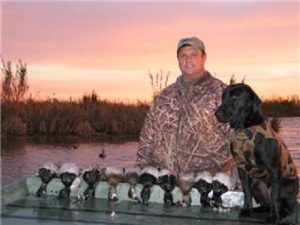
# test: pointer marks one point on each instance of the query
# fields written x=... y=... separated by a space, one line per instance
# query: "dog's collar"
x=247 y=133
x=241 y=135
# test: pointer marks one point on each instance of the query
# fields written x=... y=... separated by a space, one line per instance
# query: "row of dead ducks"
x=71 y=176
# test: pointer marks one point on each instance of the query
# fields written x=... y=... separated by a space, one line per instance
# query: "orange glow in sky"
x=74 y=48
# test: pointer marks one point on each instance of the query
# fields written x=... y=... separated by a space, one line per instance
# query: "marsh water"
x=21 y=157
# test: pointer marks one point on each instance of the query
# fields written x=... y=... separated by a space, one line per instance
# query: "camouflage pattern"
x=181 y=132
x=243 y=152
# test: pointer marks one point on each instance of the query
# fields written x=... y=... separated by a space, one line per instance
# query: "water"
x=20 y=157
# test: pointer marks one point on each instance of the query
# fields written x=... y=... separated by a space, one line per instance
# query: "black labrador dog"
x=265 y=167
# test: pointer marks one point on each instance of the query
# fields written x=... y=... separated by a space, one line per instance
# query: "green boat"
x=21 y=206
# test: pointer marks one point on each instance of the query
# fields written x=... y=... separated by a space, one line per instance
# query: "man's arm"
x=146 y=145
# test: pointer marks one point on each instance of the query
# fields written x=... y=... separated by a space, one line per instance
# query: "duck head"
x=148 y=178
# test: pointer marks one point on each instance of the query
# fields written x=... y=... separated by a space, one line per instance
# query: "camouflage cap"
x=191 y=41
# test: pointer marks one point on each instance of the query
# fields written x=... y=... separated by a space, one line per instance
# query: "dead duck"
x=221 y=183
x=46 y=173
x=186 y=182
x=114 y=176
x=203 y=183
x=148 y=178
x=167 y=181
x=70 y=177
x=91 y=176
x=132 y=177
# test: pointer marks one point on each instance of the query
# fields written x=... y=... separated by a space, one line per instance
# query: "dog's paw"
x=272 y=219
x=288 y=220
x=261 y=210
x=245 y=212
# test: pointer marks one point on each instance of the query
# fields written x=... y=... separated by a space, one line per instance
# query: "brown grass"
x=82 y=118
x=91 y=117
x=282 y=106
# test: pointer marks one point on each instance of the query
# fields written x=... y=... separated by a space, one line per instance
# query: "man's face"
x=191 y=63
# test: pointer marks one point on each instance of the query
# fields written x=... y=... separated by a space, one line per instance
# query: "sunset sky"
x=73 y=48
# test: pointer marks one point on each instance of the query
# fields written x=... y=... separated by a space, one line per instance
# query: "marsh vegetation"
x=90 y=115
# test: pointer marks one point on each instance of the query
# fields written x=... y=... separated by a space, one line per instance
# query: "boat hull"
x=21 y=206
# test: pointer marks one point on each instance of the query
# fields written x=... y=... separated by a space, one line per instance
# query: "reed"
x=282 y=106
x=89 y=116
x=158 y=82
x=80 y=118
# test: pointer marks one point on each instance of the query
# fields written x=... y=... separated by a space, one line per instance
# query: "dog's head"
x=240 y=107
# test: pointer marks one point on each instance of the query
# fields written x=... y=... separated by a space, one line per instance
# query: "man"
x=180 y=132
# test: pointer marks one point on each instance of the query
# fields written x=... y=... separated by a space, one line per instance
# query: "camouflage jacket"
x=181 y=132
x=243 y=147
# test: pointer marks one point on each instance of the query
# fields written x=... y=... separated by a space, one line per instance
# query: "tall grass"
x=84 y=118
x=89 y=116
x=282 y=107
x=158 y=82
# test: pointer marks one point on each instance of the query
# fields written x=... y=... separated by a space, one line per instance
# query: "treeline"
x=85 y=118
x=89 y=116
x=281 y=107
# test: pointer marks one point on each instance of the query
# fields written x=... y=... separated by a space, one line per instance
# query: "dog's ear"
x=256 y=116
x=255 y=101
